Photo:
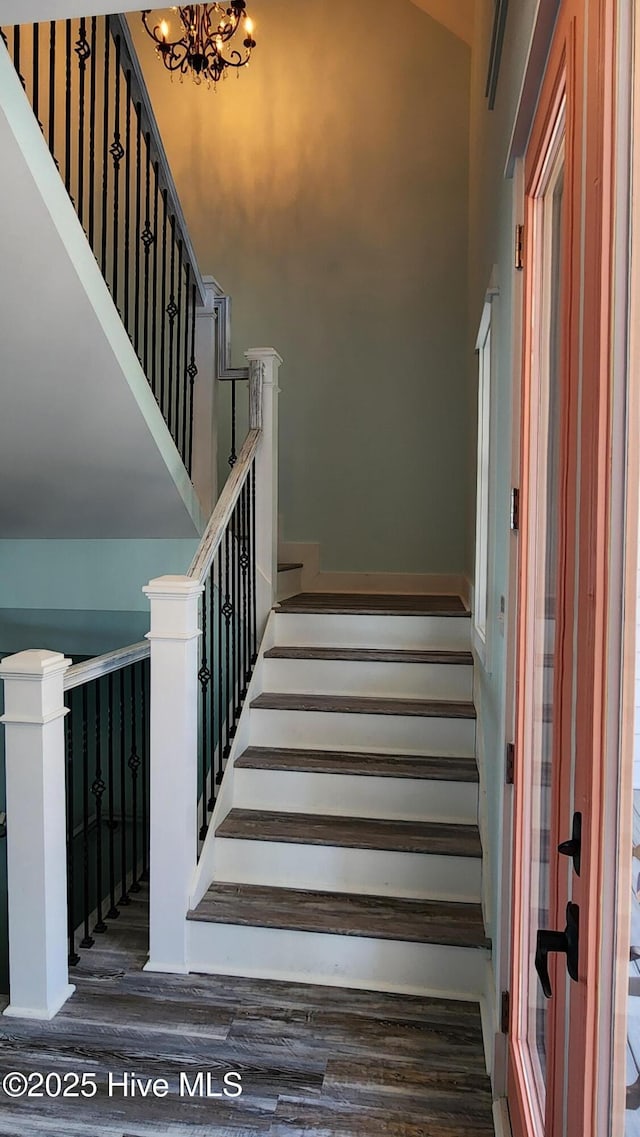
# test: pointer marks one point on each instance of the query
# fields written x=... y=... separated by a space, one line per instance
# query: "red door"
x=560 y=687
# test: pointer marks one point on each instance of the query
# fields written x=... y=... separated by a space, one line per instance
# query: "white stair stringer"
x=339 y=961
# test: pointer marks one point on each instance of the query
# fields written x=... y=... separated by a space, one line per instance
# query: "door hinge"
x=505 y=1008
x=515 y=509
x=510 y=764
x=519 y=248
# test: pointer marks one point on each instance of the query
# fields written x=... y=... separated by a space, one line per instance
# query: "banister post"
x=264 y=365
x=36 y=833
x=174 y=780
x=204 y=463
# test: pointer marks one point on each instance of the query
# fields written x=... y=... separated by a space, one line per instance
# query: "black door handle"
x=573 y=847
x=567 y=942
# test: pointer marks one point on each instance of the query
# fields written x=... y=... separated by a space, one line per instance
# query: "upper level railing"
x=86 y=87
x=107 y=757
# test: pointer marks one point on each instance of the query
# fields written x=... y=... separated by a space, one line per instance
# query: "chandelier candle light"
x=198 y=44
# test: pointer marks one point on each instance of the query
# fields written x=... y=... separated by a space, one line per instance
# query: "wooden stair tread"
x=288 y=566
x=454 y=840
x=431 y=767
x=371 y=655
x=364 y=705
x=340 y=913
x=380 y=604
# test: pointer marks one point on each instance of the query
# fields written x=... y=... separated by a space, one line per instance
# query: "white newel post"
x=36 y=833
x=174 y=780
x=204 y=466
x=264 y=364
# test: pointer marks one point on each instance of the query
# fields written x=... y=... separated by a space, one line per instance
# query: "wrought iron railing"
x=88 y=94
x=225 y=565
x=107 y=789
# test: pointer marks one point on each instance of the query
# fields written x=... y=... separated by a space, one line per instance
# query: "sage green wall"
x=326 y=188
x=491 y=236
x=81 y=597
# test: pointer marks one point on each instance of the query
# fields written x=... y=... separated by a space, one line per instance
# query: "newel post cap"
x=170 y=587
x=264 y=353
x=34 y=664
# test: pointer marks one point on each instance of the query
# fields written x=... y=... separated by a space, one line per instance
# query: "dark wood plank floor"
x=383 y=917
x=374 y=604
x=364 y=705
x=316 y=1061
x=372 y=764
x=451 y=840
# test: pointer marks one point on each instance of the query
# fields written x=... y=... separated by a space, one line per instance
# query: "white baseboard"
x=315 y=579
x=501 y=1121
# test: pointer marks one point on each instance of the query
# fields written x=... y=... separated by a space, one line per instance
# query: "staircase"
x=350 y=852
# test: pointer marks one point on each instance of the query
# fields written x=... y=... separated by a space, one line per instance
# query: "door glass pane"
x=547 y=309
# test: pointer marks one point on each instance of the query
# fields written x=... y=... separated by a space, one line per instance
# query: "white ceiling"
x=456 y=15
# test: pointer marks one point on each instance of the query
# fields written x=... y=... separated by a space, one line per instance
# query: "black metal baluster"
x=113 y=912
x=204 y=676
x=105 y=151
x=219 y=672
x=117 y=153
x=67 y=108
x=124 y=898
x=83 y=52
x=192 y=371
x=127 y=200
x=154 y=321
x=147 y=237
x=144 y=691
x=136 y=301
x=93 y=85
x=97 y=789
x=227 y=612
x=134 y=764
x=179 y=377
x=244 y=564
x=172 y=312
x=87 y=940
x=236 y=617
x=36 y=72
x=233 y=456
x=52 y=86
x=163 y=332
x=182 y=445
x=70 y=793
x=249 y=578
x=210 y=697
x=254 y=628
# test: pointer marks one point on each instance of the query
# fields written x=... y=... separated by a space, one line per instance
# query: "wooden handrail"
x=89 y=669
x=223 y=511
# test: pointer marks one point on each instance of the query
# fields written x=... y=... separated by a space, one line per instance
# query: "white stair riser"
x=329 y=730
x=289 y=583
x=356 y=677
x=351 y=795
x=338 y=630
x=342 y=961
x=326 y=868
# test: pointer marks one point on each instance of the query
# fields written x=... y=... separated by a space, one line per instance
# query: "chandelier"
x=199 y=43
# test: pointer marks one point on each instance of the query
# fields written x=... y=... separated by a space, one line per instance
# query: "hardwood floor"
x=364 y=705
x=358 y=763
x=374 y=604
x=316 y=1061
